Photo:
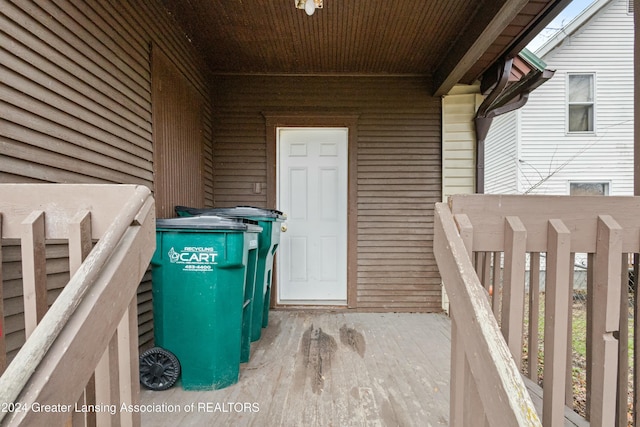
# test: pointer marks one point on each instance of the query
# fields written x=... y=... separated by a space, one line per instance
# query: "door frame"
x=274 y=120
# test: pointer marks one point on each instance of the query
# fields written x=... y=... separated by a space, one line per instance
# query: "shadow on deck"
x=328 y=369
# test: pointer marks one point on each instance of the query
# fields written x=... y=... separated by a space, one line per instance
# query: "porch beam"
x=487 y=24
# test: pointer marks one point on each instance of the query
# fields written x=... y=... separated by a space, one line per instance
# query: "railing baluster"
x=496 y=298
x=107 y=382
x=128 y=362
x=34 y=270
x=79 y=240
x=495 y=284
x=568 y=391
x=534 y=315
x=588 y=345
x=79 y=248
x=478 y=258
x=481 y=264
x=515 y=239
x=458 y=362
x=3 y=346
x=89 y=395
x=486 y=270
x=473 y=410
x=606 y=321
x=623 y=346
x=636 y=342
x=555 y=325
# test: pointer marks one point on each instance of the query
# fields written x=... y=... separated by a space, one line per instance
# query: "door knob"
x=283 y=228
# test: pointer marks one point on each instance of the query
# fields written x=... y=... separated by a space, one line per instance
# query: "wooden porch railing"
x=486 y=388
x=497 y=233
x=80 y=353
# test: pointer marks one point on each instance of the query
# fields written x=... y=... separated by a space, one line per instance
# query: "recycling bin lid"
x=209 y=222
x=238 y=211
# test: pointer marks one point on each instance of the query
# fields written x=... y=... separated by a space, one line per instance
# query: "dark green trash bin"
x=203 y=279
x=268 y=242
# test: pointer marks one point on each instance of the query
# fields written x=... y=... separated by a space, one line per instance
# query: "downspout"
x=483 y=122
x=503 y=99
x=482 y=129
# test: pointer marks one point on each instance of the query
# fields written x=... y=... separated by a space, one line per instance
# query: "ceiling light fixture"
x=309 y=6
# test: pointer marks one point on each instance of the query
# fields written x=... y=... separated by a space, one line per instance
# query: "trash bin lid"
x=209 y=222
x=238 y=211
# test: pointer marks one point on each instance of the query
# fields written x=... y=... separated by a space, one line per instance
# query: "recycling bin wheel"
x=159 y=369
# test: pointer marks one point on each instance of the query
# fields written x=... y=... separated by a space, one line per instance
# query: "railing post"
x=515 y=239
x=555 y=325
x=534 y=315
x=34 y=270
x=79 y=247
x=606 y=321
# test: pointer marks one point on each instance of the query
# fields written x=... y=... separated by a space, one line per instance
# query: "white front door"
x=312 y=191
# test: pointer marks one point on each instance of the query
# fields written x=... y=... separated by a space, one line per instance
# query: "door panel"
x=312 y=190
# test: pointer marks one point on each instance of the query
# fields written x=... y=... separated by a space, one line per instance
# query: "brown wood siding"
x=399 y=180
x=177 y=129
x=57 y=277
x=76 y=107
x=239 y=159
x=398 y=170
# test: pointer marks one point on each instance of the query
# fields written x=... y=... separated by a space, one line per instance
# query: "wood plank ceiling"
x=355 y=37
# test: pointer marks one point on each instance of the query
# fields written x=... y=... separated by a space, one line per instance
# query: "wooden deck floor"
x=329 y=369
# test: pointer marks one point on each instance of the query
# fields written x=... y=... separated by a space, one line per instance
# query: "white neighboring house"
x=575 y=134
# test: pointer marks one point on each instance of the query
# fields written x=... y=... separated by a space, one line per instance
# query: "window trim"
x=568 y=104
x=590 y=181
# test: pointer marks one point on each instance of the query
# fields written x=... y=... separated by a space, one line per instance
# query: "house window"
x=630 y=7
x=589 y=188
x=580 y=102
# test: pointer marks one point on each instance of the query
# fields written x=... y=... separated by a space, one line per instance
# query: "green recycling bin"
x=203 y=274
x=268 y=242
